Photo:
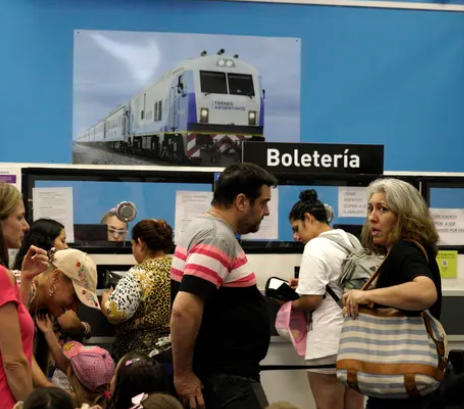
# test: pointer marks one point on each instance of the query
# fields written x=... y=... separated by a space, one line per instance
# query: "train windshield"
x=213 y=82
x=241 y=84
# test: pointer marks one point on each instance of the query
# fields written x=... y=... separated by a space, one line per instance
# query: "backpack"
x=358 y=266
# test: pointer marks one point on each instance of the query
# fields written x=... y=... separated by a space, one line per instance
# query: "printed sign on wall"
x=450 y=225
x=11 y=175
x=352 y=201
x=448 y=263
x=315 y=158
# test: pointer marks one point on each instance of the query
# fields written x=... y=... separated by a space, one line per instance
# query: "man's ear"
x=241 y=201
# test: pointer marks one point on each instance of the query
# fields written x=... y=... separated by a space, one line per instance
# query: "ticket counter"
x=155 y=193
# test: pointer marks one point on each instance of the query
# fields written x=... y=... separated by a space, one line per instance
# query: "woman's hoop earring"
x=52 y=290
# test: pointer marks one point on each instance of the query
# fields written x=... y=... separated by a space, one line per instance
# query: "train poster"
x=146 y=98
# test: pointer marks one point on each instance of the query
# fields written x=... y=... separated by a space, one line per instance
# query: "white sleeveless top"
x=321 y=265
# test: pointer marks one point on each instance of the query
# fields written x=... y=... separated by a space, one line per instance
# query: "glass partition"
x=92 y=200
x=95 y=192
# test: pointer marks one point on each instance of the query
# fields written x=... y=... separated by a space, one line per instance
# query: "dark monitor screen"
x=85 y=233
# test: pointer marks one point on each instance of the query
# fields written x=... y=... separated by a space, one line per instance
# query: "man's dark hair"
x=245 y=178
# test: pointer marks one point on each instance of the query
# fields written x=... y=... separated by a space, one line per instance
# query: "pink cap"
x=292 y=325
x=92 y=365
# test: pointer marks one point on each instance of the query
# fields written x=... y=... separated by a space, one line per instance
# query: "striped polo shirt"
x=235 y=331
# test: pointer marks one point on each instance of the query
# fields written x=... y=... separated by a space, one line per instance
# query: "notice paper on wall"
x=11 y=175
x=450 y=225
x=55 y=203
x=189 y=205
x=447 y=261
x=269 y=228
x=352 y=201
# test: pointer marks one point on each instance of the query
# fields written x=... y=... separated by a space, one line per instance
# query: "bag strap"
x=377 y=273
x=341 y=243
x=354 y=241
x=374 y=276
x=440 y=345
x=349 y=248
x=354 y=245
x=332 y=294
x=368 y=283
x=421 y=247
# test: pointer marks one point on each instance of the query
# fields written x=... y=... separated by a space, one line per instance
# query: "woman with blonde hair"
x=397 y=213
x=17 y=328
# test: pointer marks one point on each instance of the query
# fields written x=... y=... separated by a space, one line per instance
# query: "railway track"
x=94 y=155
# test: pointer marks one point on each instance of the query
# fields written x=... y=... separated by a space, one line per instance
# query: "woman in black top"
x=397 y=211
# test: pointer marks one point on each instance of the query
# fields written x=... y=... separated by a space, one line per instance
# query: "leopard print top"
x=141 y=302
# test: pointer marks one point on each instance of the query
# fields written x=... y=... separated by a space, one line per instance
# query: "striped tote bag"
x=384 y=353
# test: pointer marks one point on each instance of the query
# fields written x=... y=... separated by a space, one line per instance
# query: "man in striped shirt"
x=220 y=325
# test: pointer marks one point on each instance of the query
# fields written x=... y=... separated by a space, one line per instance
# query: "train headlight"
x=224 y=62
x=204 y=115
x=252 y=118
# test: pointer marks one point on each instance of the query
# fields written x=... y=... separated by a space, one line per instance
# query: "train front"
x=229 y=109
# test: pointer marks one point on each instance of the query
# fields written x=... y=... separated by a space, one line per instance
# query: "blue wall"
x=368 y=75
x=446 y=198
x=385 y=76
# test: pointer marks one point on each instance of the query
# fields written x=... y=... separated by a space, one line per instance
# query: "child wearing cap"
x=89 y=368
x=70 y=280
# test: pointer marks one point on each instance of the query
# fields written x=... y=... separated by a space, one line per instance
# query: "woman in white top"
x=321 y=266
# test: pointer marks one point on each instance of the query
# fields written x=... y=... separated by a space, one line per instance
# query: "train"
x=200 y=111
